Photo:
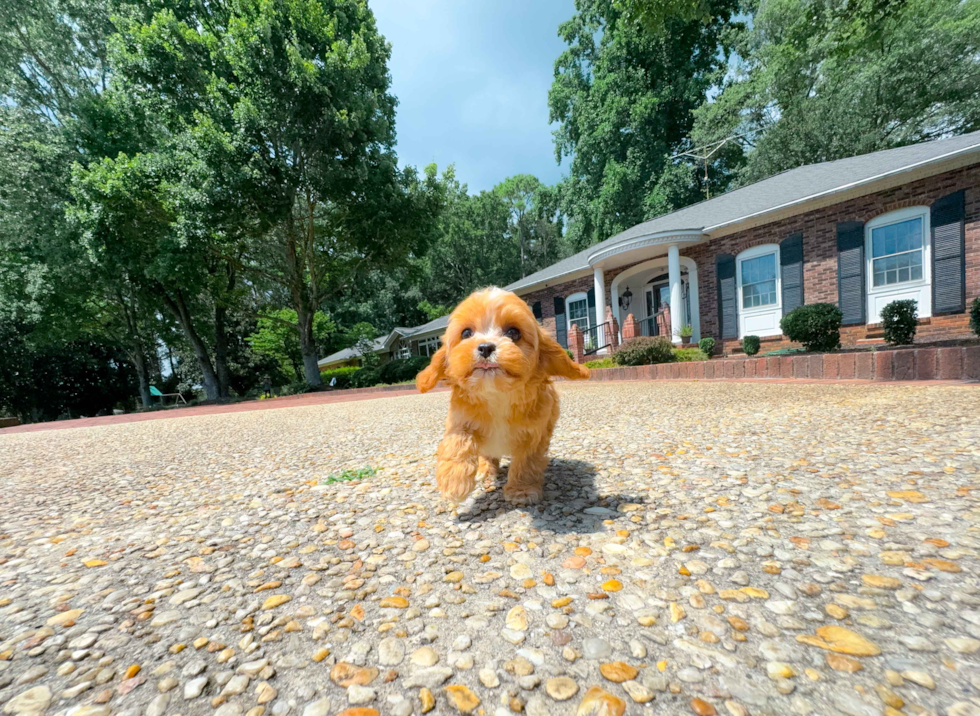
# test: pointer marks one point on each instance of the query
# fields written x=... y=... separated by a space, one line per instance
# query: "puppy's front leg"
x=456 y=465
x=488 y=472
x=525 y=478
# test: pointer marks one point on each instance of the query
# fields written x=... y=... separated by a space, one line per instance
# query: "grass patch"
x=600 y=363
x=348 y=475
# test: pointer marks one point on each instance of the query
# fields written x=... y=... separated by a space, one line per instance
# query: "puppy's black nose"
x=486 y=349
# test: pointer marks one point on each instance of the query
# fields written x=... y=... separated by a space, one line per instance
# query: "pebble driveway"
x=730 y=548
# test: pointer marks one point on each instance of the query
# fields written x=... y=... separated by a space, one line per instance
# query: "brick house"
x=858 y=232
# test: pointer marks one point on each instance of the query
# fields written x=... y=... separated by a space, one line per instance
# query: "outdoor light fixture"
x=625 y=299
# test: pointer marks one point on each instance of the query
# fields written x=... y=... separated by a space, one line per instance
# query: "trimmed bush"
x=685 y=355
x=403 y=369
x=975 y=315
x=343 y=376
x=366 y=378
x=645 y=350
x=899 y=319
x=707 y=345
x=816 y=326
x=750 y=344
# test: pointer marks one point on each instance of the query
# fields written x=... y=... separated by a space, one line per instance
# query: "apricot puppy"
x=499 y=363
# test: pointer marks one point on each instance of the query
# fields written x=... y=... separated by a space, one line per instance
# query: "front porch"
x=643 y=288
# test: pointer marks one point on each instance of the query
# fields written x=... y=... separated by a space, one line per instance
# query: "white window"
x=577 y=311
x=759 y=302
x=897 y=251
x=404 y=351
x=428 y=346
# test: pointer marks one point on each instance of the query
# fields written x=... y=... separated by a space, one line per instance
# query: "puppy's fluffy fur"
x=499 y=363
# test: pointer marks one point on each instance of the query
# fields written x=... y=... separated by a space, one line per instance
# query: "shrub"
x=403 y=369
x=365 y=378
x=600 y=363
x=645 y=350
x=684 y=355
x=750 y=344
x=707 y=345
x=975 y=315
x=296 y=388
x=816 y=326
x=899 y=319
x=343 y=376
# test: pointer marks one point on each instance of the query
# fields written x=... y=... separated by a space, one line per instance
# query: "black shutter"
x=851 y=294
x=791 y=271
x=727 y=296
x=948 y=254
x=561 y=328
x=592 y=316
x=536 y=310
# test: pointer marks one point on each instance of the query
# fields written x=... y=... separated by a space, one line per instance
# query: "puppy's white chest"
x=499 y=434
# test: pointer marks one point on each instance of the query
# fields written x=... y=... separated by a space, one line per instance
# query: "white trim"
x=845 y=187
x=639 y=242
x=921 y=290
x=766 y=317
x=577 y=296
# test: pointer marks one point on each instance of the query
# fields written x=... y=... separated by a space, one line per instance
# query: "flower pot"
x=686 y=340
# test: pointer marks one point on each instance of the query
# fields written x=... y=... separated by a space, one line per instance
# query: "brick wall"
x=819 y=229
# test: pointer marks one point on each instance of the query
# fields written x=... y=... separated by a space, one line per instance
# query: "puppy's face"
x=493 y=343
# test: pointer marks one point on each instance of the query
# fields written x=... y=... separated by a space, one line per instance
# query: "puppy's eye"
x=467 y=333
x=513 y=334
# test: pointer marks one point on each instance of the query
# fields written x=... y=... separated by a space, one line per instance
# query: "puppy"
x=499 y=362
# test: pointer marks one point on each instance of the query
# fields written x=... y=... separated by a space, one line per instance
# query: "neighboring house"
x=400 y=343
x=858 y=232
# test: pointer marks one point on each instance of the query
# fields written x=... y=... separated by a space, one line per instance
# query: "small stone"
x=840 y=640
x=599 y=702
x=779 y=670
x=391 y=651
x=963 y=645
x=839 y=662
x=394 y=603
x=638 y=692
x=919 y=677
x=427 y=699
x=167 y=684
x=462 y=698
x=194 y=687
x=561 y=688
x=358 y=695
x=344 y=674
x=275 y=600
x=618 y=672
x=32 y=701
x=517 y=619
x=424 y=656
x=595 y=648
x=702 y=707
x=488 y=677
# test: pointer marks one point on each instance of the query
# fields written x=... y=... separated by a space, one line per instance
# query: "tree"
x=277 y=338
x=623 y=98
x=832 y=79
x=288 y=103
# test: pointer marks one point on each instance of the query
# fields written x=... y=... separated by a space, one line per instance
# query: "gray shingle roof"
x=787 y=188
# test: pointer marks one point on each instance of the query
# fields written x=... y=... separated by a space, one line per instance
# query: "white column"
x=600 y=296
x=676 y=295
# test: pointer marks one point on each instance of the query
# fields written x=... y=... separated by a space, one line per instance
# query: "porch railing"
x=656 y=325
x=596 y=338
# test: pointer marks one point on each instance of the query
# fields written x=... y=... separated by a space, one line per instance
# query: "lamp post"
x=625 y=299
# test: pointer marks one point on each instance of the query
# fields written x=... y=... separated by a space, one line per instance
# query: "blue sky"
x=472 y=79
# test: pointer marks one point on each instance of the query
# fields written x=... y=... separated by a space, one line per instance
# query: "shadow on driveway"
x=571 y=503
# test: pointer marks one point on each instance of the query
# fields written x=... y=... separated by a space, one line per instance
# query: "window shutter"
x=561 y=328
x=727 y=296
x=592 y=317
x=536 y=310
x=791 y=270
x=851 y=295
x=948 y=254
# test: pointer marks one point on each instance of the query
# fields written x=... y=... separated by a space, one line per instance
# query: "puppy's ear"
x=555 y=361
x=433 y=373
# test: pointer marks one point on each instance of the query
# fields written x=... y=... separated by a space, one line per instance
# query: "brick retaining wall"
x=957 y=363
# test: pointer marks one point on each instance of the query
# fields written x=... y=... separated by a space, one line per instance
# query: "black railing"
x=596 y=338
x=648 y=326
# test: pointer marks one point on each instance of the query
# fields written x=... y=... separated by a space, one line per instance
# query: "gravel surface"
x=726 y=548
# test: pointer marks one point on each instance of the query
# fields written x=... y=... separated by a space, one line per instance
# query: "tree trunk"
x=143 y=374
x=307 y=347
x=209 y=379
x=221 y=352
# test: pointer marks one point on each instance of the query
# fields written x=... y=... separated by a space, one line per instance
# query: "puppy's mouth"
x=486 y=367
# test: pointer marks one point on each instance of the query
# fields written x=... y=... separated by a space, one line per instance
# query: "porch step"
x=875 y=341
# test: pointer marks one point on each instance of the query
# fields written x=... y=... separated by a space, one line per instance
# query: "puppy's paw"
x=524 y=495
x=455 y=480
